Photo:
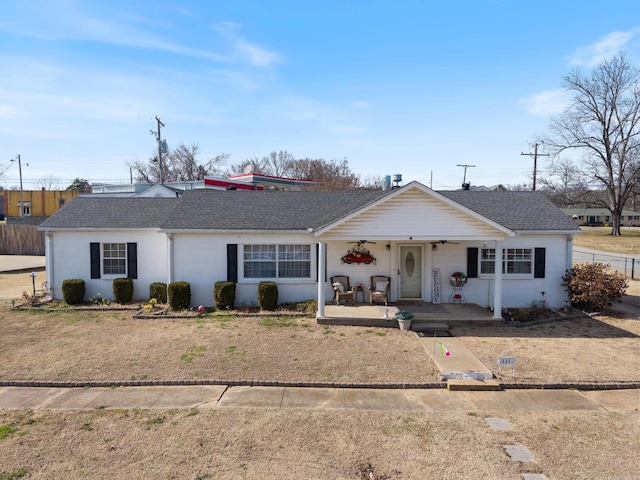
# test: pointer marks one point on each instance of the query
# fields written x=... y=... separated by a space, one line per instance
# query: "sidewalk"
x=18 y=263
x=222 y=396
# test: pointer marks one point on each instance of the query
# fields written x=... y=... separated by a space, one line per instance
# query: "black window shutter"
x=232 y=262
x=539 y=263
x=472 y=262
x=94 y=248
x=132 y=260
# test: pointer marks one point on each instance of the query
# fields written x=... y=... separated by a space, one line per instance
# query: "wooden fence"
x=21 y=240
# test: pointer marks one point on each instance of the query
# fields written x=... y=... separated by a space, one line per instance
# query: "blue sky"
x=410 y=87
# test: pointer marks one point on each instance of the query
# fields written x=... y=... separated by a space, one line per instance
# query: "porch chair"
x=343 y=289
x=379 y=289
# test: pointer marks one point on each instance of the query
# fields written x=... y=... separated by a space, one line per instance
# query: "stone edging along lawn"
x=267 y=383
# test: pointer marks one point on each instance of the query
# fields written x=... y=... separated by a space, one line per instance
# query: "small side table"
x=357 y=291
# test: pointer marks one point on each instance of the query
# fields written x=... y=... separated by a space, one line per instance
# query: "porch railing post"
x=497 y=291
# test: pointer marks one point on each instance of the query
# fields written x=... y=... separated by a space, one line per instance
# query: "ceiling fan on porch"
x=362 y=242
x=442 y=242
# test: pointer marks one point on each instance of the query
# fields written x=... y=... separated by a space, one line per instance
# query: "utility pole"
x=464 y=180
x=21 y=190
x=161 y=146
x=535 y=156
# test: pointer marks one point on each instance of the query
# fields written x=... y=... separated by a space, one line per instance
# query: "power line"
x=535 y=156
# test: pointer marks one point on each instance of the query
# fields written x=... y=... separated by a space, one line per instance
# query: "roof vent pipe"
x=466 y=186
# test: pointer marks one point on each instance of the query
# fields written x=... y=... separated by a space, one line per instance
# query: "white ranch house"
x=512 y=245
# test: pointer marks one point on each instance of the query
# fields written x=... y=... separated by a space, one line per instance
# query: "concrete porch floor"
x=466 y=314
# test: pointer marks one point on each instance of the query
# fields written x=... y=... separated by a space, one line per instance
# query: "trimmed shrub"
x=593 y=287
x=179 y=295
x=268 y=295
x=158 y=290
x=122 y=290
x=73 y=291
x=224 y=295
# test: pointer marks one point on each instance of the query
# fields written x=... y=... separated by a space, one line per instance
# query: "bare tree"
x=48 y=182
x=330 y=175
x=603 y=123
x=565 y=185
x=181 y=164
x=276 y=164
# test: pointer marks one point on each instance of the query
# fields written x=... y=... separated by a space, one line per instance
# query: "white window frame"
x=518 y=257
x=276 y=254
x=104 y=259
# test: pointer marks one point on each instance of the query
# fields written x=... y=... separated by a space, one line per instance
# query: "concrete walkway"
x=222 y=396
x=17 y=263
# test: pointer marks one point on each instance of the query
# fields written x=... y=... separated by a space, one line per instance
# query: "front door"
x=411 y=272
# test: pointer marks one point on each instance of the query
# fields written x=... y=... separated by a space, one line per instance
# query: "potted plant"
x=404 y=319
x=458 y=279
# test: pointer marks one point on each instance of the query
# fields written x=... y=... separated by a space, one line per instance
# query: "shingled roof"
x=266 y=210
x=518 y=211
x=97 y=212
x=286 y=210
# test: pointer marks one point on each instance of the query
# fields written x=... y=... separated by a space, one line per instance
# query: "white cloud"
x=245 y=50
x=66 y=22
x=546 y=103
x=606 y=48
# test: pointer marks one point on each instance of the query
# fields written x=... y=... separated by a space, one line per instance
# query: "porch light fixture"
x=388 y=247
x=434 y=247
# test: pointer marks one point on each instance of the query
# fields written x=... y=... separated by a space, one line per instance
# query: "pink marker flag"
x=444 y=351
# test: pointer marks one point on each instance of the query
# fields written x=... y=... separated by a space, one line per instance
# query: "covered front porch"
x=427 y=316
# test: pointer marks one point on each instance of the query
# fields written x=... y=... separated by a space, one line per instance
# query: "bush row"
x=177 y=294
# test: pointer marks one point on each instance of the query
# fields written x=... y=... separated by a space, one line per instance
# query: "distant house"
x=597 y=217
x=514 y=247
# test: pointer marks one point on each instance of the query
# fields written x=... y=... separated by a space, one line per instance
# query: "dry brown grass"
x=600 y=238
x=112 y=346
x=298 y=443
x=315 y=444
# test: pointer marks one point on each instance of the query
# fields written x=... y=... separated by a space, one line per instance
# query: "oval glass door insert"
x=409 y=264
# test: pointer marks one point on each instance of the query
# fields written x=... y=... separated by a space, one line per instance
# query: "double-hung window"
x=277 y=261
x=111 y=259
x=114 y=259
x=516 y=261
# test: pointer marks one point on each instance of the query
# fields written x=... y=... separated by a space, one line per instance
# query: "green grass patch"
x=6 y=430
x=230 y=349
x=191 y=353
x=14 y=475
x=155 y=421
x=270 y=322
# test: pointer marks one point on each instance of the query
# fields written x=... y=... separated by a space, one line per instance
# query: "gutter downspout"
x=497 y=290
x=48 y=251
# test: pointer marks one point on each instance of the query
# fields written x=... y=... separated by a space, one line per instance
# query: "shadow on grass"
x=582 y=326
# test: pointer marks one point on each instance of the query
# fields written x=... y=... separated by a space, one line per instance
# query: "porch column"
x=321 y=275
x=497 y=291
